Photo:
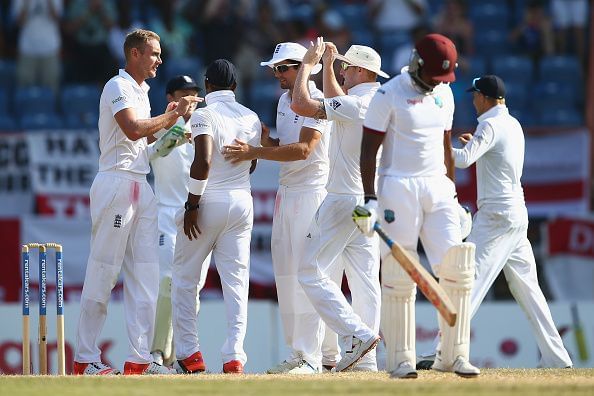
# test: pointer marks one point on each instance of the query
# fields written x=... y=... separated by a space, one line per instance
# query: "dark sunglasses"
x=283 y=68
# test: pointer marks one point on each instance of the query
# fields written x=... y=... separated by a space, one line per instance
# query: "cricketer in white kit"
x=333 y=242
x=411 y=115
x=171 y=162
x=500 y=226
x=218 y=218
x=302 y=147
x=123 y=212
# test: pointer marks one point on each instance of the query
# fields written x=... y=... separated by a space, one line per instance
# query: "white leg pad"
x=398 y=313
x=456 y=276
x=163 y=338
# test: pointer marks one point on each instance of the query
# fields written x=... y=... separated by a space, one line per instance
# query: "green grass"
x=501 y=382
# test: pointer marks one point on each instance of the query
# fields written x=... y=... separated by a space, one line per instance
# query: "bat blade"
x=424 y=280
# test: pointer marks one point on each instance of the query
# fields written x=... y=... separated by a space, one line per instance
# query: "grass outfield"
x=498 y=382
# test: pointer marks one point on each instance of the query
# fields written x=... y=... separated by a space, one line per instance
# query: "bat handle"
x=382 y=234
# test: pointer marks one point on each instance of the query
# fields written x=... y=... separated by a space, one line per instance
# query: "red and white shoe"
x=95 y=368
x=233 y=367
x=151 y=368
x=193 y=364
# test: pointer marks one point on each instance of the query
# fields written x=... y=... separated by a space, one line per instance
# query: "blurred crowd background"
x=55 y=55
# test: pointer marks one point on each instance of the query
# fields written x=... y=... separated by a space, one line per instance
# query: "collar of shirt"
x=124 y=74
x=363 y=88
x=225 y=95
x=493 y=111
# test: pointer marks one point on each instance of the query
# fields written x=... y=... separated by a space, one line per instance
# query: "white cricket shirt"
x=118 y=153
x=414 y=124
x=497 y=147
x=226 y=120
x=347 y=113
x=172 y=173
x=312 y=171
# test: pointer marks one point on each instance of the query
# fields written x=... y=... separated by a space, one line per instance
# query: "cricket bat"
x=424 y=280
x=578 y=332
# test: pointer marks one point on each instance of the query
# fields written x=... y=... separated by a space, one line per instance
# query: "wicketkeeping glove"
x=169 y=141
x=365 y=216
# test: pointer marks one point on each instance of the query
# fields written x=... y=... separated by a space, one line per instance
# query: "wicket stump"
x=42 y=343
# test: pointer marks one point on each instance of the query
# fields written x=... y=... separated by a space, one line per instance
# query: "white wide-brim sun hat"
x=365 y=57
x=289 y=51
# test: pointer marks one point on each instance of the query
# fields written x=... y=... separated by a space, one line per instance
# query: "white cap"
x=365 y=57
x=289 y=51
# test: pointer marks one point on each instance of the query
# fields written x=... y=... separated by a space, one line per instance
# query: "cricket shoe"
x=304 y=368
x=152 y=368
x=194 y=364
x=328 y=368
x=365 y=368
x=425 y=362
x=404 y=370
x=461 y=366
x=233 y=367
x=358 y=349
x=95 y=368
x=284 y=367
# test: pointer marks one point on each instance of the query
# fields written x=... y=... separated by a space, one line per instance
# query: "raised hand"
x=314 y=52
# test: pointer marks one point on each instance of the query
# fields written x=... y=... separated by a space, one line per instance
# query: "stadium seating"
x=40 y=121
x=36 y=98
x=4 y=100
x=81 y=120
x=560 y=68
x=7 y=73
x=513 y=68
x=7 y=123
x=190 y=66
x=489 y=15
x=560 y=116
x=79 y=98
x=491 y=42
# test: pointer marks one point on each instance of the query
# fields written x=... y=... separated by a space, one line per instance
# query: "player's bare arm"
x=301 y=101
x=135 y=128
x=370 y=144
x=449 y=155
x=241 y=151
x=198 y=171
x=331 y=86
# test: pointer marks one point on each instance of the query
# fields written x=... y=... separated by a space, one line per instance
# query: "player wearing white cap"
x=334 y=243
x=411 y=115
x=124 y=212
x=218 y=218
x=170 y=161
x=501 y=223
x=302 y=147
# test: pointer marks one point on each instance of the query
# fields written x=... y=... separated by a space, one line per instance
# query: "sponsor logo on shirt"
x=438 y=101
x=295 y=119
x=118 y=99
x=162 y=240
x=117 y=223
x=389 y=216
x=335 y=104
x=199 y=125
x=281 y=113
x=414 y=101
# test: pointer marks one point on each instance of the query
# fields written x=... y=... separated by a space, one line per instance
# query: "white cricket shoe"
x=425 y=362
x=463 y=368
x=304 y=368
x=358 y=350
x=152 y=368
x=95 y=368
x=284 y=367
x=404 y=370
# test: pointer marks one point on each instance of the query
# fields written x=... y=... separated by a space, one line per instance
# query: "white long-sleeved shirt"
x=497 y=147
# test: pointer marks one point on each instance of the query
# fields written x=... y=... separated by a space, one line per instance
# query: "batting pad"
x=162 y=341
x=398 y=313
x=456 y=276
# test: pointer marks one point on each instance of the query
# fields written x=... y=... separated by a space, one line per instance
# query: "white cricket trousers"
x=225 y=219
x=293 y=211
x=500 y=235
x=333 y=240
x=124 y=236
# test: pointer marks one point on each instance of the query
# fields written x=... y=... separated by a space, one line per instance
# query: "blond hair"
x=137 y=38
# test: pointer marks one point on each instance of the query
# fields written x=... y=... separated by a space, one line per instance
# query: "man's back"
x=226 y=120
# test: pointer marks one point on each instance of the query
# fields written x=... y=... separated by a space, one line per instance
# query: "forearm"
x=301 y=101
x=285 y=153
x=331 y=86
x=140 y=128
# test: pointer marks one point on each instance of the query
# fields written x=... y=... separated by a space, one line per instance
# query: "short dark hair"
x=137 y=38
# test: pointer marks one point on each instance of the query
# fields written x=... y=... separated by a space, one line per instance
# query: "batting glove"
x=169 y=141
x=365 y=216
x=465 y=216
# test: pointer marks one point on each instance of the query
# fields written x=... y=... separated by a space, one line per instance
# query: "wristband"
x=197 y=187
x=369 y=197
